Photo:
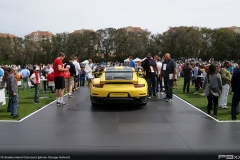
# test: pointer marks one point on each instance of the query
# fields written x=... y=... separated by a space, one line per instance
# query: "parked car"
x=119 y=84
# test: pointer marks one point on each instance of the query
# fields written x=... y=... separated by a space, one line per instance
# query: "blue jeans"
x=25 y=82
x=186 y=83
x=193 y=81
x=82 y=81
x=168 y=84
x=9 y=104
x=36 y=92
x=157 y=84
x=14 y=104
x=152 y=82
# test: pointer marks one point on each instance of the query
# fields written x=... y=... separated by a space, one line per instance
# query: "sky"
x=21 y=17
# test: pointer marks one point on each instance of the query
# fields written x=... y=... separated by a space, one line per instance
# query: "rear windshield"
x=121 y=75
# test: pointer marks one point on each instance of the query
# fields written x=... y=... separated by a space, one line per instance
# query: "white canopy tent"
x=127 y=60
x=137 y=60
x=143 y=59
x=85 y=62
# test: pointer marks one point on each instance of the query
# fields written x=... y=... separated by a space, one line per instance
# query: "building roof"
x=133 y=29
x=40 y=33
x=82 y=30
x=5 y=35
x=234 y=28
x=174 y=29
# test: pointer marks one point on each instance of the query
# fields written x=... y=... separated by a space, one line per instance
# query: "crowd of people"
x=161 y=74
x=210 y=76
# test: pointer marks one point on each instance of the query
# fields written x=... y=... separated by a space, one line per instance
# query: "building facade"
x=39 y=36
x=234 y=28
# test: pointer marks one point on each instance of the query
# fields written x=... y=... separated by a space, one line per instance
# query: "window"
x=120 y=75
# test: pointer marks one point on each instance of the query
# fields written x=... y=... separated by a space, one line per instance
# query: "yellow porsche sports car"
x=119 y=84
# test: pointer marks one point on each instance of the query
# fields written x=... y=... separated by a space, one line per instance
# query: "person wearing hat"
x=150 y=67
x=35 y=79
x=12 y=88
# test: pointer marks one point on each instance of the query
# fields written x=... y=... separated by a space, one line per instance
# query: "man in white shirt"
x=49 y=69
x=77 y=68
x=159 y=81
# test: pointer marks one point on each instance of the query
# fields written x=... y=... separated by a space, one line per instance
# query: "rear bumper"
x=125 y=100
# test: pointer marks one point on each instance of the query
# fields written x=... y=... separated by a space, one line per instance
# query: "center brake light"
x=139 y=85
x=98 y=85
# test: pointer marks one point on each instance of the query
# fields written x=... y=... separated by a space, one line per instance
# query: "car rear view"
x=119 y=85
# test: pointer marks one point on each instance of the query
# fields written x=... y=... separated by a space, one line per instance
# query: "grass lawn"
x=26 y=104
x=200 y=101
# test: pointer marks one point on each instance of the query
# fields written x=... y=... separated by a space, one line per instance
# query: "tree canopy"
x=112 y=44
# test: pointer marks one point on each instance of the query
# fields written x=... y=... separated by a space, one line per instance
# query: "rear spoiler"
x=124 y=80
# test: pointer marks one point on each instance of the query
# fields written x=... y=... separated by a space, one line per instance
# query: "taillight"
x=98 y=85
x=139 y=85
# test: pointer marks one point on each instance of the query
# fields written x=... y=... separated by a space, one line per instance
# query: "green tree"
x=106 y=41
x=223 y=43
x=5 y=48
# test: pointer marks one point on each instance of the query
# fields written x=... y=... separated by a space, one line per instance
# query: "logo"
x=228 y=157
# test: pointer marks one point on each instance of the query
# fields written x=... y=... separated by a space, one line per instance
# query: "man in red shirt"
x=59 y=78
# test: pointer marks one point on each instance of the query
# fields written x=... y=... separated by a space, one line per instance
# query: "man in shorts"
x=69 y=82
x=77 y=76
x=59 y=78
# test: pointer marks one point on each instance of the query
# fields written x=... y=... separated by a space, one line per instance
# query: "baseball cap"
x=149 y=55
x=37 y=69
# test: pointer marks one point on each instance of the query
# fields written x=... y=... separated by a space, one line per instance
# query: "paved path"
x=120 y=131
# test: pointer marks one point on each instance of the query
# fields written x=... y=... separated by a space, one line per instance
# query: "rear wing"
x=120 y=76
